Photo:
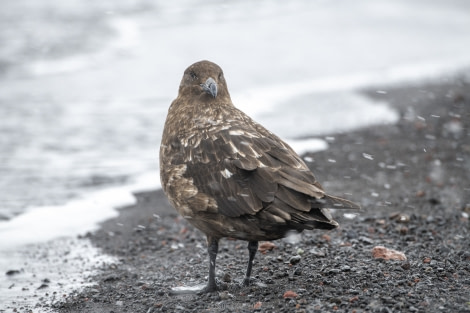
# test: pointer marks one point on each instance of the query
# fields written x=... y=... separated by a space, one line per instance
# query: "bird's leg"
x=252 y=248
x=212 y=249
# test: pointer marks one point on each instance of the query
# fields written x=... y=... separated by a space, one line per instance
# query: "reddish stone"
x=266 y=246
x=380 y=252
x=290 y=294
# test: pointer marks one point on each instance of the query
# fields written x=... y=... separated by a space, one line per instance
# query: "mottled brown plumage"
x=231 y=177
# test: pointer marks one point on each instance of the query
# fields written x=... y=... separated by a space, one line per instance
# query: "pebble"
x=335 y=300
x=294 y=259
x=225 y=295
x=380 y=252
x=317 y=252
x=351 y=234
x=227 y=278
x=298 y=271
x=12 y=272
x=290 y=294
x=266 y=246
x=366 y=240
x=406 y=266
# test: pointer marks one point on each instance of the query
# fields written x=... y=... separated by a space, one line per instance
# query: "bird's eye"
x=193 y=75
x=221 y=75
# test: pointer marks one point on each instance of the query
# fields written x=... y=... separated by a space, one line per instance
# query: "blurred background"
x=85 y=87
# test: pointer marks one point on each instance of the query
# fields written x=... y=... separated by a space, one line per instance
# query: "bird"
x=230 y=177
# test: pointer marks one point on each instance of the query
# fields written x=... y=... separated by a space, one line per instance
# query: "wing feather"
x=251 y=171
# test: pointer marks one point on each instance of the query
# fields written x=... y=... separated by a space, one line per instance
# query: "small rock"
x=434 y=201
x=354 y=299
x=380 y=252
x=351 y=234
x=335 y=300
x=406 y=266
x=400 y=217
x=266 y=246
x=281 y=274
x=345 y=268
x=111 y=278
x=119 y=303
x=260 y=284
x=227 y=278
x=420 y=193
x=295 y=259
x=12 y=272
x=317 y=252
x=366 y=240
x=290 y=294
x=225 y=295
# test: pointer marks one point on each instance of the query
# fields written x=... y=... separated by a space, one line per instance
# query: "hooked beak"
x=210 y=86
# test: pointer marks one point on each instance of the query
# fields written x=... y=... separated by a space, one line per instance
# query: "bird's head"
x=204 y=80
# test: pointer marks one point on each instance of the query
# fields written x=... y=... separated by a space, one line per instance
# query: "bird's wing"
x=247 y=170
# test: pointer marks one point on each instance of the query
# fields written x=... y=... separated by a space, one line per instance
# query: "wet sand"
x=412 y=181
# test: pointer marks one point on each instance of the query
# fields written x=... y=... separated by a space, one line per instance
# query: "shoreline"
x=411 y=179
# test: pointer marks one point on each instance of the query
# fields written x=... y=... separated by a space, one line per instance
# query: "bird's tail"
x=333 y=202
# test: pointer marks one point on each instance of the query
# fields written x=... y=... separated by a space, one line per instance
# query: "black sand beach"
x=412 y=180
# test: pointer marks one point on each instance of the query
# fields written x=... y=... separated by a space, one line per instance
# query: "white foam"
x=294 y=112
x=63 y=265
x=187 y=289
x=302 y=146
x=42 y=224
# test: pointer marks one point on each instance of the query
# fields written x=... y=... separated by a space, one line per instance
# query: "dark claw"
x=218 y=286
x=246 y=282
x=209 y=289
